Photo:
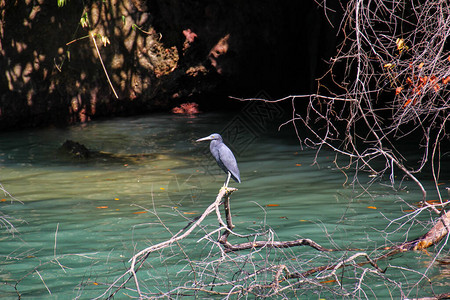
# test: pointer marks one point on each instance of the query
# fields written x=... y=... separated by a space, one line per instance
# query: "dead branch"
x=284 y=277
x=103 y=65
x=432 y=237
x=274 y=244
x=436 y=297
x=142 y=255
x=224 y=195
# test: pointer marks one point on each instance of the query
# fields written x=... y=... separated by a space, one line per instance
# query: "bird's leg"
x=228 y=180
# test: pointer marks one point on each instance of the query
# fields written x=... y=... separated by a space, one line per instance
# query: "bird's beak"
x=208 y=138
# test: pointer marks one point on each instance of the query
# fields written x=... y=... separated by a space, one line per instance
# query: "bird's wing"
x=229 y=162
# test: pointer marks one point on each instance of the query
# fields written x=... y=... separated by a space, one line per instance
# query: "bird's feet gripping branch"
x=224 y=157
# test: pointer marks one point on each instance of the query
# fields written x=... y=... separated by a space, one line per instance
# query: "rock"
x=74 y=150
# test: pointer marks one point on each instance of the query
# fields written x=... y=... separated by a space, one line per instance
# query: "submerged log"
x=74 y=150
x=80 y=152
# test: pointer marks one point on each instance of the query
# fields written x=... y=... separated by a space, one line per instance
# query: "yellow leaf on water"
x=189 y=213
x=371 y=207
x=161 y=188
x=328 y=281
x=102 y=206
x=272 y=205
x=139 y=212
x=434 y=201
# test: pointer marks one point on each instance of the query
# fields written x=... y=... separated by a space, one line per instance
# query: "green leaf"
x=61 y=3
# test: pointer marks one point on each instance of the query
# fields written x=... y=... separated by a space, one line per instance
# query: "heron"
x=223 y=156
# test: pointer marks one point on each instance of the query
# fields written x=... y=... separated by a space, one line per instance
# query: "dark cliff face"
x=157 y=54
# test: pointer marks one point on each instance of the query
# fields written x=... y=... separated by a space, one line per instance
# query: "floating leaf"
x=189 y=213
x=328 y=281
x=139 y=212
x=117 y=199
x=298 y=165
x=433 y=202
x=371 y=207
x=3 y=200
x=429 y=202
x=102 y=206
x=272 y=205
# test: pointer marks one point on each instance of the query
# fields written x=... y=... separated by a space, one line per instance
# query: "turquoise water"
x=76 y=222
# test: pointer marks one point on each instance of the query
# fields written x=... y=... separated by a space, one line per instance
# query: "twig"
x=42 y=279
x=142 y=255
x=103 y=65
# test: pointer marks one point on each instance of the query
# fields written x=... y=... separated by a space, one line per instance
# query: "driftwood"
x=281 y=272
x=79 y=152
x=439 y=231
x=432 y=237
